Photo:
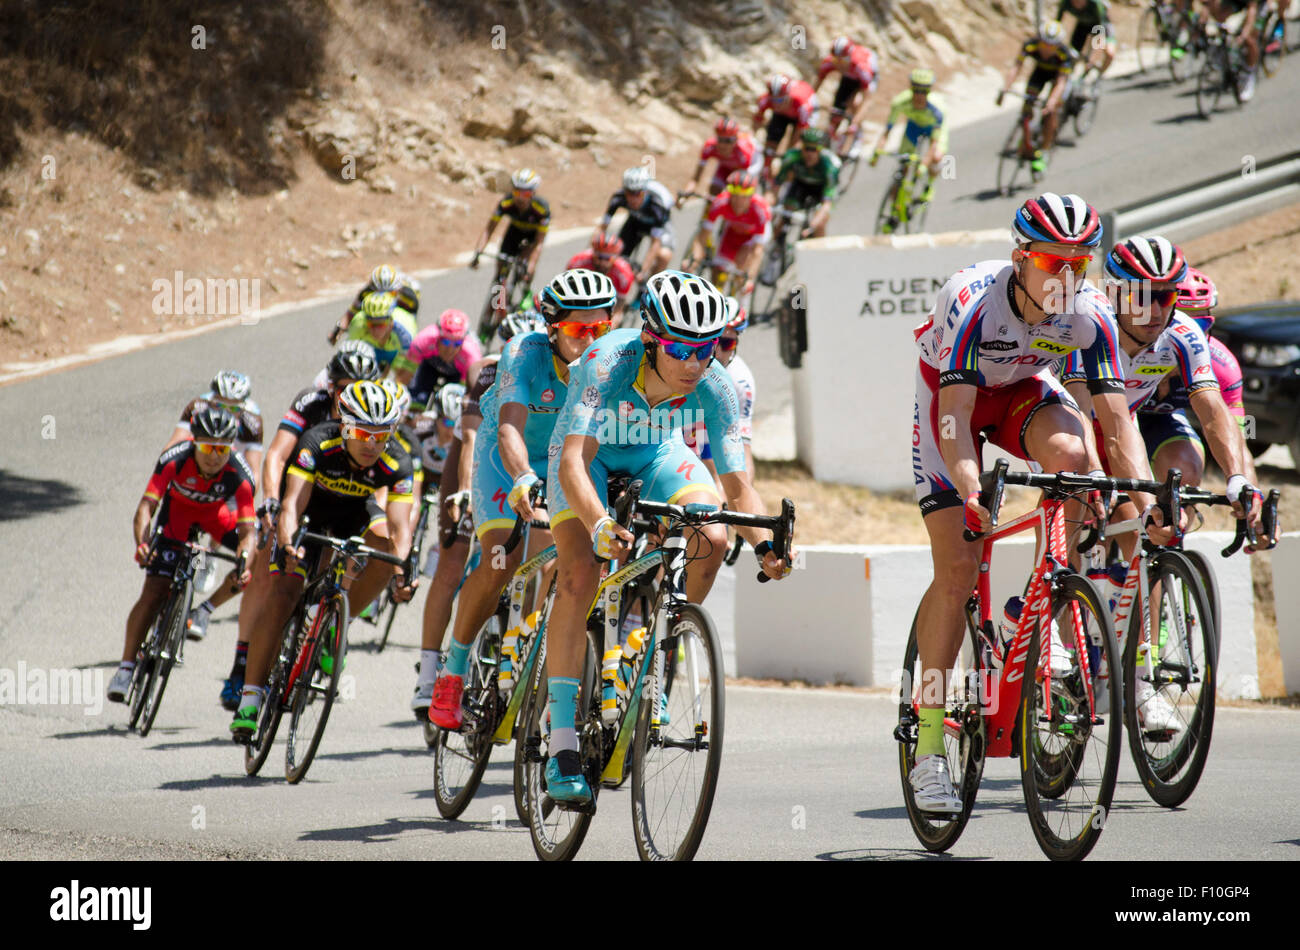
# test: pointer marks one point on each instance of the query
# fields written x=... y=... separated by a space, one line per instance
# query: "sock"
x=251 y=696
x=241 y=660
x=207 y=607
x=929 y=736
x=457 y=658
x=430 y=661
x=562 y=693
x=126 y=665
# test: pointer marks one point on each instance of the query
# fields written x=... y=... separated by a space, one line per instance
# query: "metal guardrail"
x=1219 y=195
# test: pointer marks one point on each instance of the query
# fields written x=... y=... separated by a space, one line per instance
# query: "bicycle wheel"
x=1272 y=43
x=1009 y=161
x=460 y=758
x=385 y=621
x=1068 y=827
x=675 y=764
x=848 y=172
x=918 y=209
x=146 y=666
x=1152 y=49
x=1209 y=584
x=268 y=722
x=313 y=694
x=1057 y=756
x=1088 y=97
x=557 y=832
x=1210 y=82
x=963 y=737
x=1185 y=654
x=523 y=751
x=1180 y=35
x=169 y=643
x=886 y=211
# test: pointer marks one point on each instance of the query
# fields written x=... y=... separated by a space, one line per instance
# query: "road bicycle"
x=163 y=648
x=305 y=675
x=846 y=143
x=1169 y=38
x=1272 y=39
x=501 y=657
x=1082 y=98
x=904 y=205
x=1166 y=615
x=1223 y=70
x=778 y=258
x=505 y=294
x=654 y=709
x=1017 y=153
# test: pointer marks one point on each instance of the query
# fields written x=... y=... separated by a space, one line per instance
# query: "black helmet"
x=214 y=424
x=355 y=359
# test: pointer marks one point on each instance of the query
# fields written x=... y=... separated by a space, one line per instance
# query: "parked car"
x=1266 y=341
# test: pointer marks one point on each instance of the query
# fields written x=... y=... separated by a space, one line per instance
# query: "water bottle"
x=509 y=654
x=1010 y=620
x=610 y=674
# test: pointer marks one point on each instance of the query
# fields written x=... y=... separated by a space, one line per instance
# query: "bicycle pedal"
x=938 y=815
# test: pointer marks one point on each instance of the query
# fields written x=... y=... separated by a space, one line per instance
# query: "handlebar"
x=781 y=526
x=517 y=531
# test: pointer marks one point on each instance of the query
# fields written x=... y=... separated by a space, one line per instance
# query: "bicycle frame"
x=531 y=647
x=318 y=590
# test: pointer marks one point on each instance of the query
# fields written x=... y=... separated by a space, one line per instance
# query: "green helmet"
x=814 y=137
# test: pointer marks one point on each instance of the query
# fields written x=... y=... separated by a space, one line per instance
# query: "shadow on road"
x=219 y=781
x=895 y=854
x=390 y=828
x=196 y=744
x=22 y=497
x=371 y=753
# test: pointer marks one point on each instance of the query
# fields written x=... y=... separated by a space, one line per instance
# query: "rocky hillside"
x=300 y=140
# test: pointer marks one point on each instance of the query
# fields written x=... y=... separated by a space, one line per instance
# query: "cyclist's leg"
x=1052 y=111
x=1173 y=443
x=153 y=594
x=282 y=596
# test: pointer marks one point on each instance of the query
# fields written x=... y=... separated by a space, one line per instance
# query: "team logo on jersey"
x=507 y=379
x=404 y=487
x=1201 y=370
x=1154 y=370
x=1051 y=346
x=997 y=345
x=548 y=395
x=591 y=397
x=304 y=459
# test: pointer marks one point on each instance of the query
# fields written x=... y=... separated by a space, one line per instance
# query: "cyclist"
x=926 y=120
x=229 y=390
x=731 y=150
x=353 y=361
x=811 y=175
x=1247 y=33
x=1170 y=439
x=697 y=436
x=519 y=412
x=856 y=65
x=457 y=471
x=649 y=206
x=986 y=354
x=390 y=330
x=1053 y=60
x=793 y=103
x=604 y=257
x=746 y=223
x=442 y=353
x=384 y=279
x=336 y=468
x=628 y=400
x=1091 y=23
x=198 y=484
x=530 y=218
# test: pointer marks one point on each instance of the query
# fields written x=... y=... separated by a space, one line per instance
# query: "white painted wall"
x=853 y=396
x=1286 y=595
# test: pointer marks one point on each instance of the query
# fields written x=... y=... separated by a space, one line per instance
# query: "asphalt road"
x=80 y=445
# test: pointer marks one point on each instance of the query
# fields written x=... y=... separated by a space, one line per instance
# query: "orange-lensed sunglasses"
x=1054 y=263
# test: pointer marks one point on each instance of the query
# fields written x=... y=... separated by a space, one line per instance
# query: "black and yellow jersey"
x=1047 y=56
x=533 y=217
x=338 y=485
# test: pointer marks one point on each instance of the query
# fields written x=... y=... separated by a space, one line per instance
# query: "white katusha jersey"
x=697 y=436
x=1181 y=348
x=976 y=335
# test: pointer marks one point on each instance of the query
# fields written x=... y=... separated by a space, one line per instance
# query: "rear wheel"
x=1210 y=82
x=963 y=737
x=1152 y=49
x=460 y=758
x=1087 y=98
x=168 y=645
x=1082 y=711
x=1272 y=43
x=268 y=722
x=1179 y=667
x=1009 y=161
x=885 y=213
x=313 y=694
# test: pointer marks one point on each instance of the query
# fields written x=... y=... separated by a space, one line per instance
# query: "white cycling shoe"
x=932 y=785
x=1154 y=712
x=120 y=684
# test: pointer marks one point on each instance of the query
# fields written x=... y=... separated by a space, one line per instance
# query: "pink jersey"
x=799 y=104
x=741 y=157
x=620 y=272
x=860 y=66
x=425 y=346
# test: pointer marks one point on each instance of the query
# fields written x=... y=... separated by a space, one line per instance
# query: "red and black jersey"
x=189 y=498
x=250 y=421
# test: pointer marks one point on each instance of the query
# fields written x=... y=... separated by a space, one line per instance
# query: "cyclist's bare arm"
x=296 y=495
x=576 y=457
x=485 y=236
x=282 y=446
x=513 y=416
x=1223 y=435
x=140 y=524
x=960 y=454
x=1125 y=450
x=399 y=527
x=1079 y=390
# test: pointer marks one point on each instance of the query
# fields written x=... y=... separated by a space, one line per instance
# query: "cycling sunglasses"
x=1054 y=263
x=740 y=190
x=726 y=140
x=604 y=258
x=1144 y=296
x=526 y=193
x=362 y=434
x=727 y=344
x=448 y=341
x=579 y=330
x=212 y=448
x=684 y=351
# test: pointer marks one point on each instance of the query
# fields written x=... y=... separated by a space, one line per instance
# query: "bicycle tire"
x=848 y=172
x=1150 y=40
x=1209 y=584
x=1089 y=798
x=141 y=677
x=653 y=758
x=558 y=832
x=886 y=206
x=522 y=750
x=1210 y=82
x=1170 y=767
x=1088 y=99
x=390 y=611
x=964 y=743
x=177 y=612
x=1178 y=65
x=461 y=758
x=268 y=721
x=1055 y=771
x=1272 y=48
x=1010 y=162
x=297 y=760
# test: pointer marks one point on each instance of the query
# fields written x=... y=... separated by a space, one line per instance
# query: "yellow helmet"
x=379 y=306
x=921 y=80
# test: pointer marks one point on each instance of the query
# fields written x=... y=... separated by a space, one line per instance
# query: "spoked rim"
x=1067 y=827
x=1010 y=162
x=314 y=693
x=1209 y=83
x=675 y=764
x=268 y=720
x=168 y=644
x=963 y=740
x=460 y=758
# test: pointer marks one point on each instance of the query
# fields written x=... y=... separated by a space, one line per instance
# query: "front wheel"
x=1009 y=161
x=1087 y=98
x=886 y=222
x=1210 y=82
x=1078 y=721
x=1152 y=47
x=461 y=758
x=1170 y=722
x=677 y=749
x=1272 y=43
x=168 y=644
x=313 y=694
x=268 y=722
x=964 y=735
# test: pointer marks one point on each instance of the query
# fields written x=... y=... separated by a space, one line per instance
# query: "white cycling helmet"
x=368 y=404
x=401 y=395
x=841 y=47
x=683 y=306
x=576 y=289
x=636 y=178
x=525 y=179
x=449 y=401
x=777 y=85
